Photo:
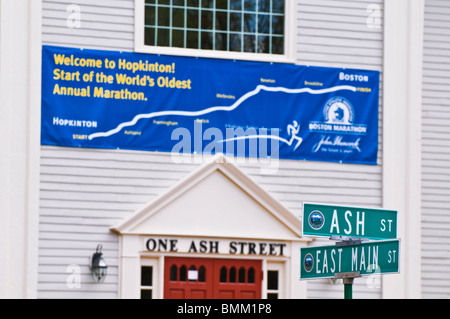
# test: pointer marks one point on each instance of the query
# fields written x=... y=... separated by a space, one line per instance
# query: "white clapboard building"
x=197 y=226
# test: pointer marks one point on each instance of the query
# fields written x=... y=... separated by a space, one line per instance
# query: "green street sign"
x=331 y=220
x=369 y=258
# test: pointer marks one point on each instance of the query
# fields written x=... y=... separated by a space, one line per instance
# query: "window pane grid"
x=243 y=26
x=210 y=9
x=217 y=31
x=146 y=282
x=272 y=284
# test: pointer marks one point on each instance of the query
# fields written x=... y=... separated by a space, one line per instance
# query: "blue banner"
x=124 y=100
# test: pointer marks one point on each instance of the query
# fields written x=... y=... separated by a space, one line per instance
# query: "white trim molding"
x=402 y=127
x=20 y=115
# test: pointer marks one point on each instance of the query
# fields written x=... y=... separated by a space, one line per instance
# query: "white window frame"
x=280 y=267
x=287 y=57
x=155 y=263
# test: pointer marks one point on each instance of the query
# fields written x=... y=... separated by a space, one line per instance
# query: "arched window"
x=173 y=273
x=183 y=273
x=241 y=276
x=232 y=274
x=223 y=274
x=202 y=274
x=251 y=275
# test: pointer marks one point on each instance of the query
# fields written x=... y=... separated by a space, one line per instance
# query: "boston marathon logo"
x=338 y=116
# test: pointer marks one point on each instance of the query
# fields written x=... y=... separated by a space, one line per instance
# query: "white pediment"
x=216 y=200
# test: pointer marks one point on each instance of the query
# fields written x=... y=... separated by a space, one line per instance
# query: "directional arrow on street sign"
x=379 y=257
x=331 y=220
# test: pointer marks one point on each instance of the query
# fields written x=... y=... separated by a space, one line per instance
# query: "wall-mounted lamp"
x=98 y=265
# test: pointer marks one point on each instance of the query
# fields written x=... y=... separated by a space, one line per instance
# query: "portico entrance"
x=211 y=235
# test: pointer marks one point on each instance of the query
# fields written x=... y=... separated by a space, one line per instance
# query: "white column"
x=402 y=85
x=129 y=267
x=20 y=109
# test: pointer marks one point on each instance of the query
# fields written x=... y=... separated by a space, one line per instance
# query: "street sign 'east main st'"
x=331 y=220
x=367 y=258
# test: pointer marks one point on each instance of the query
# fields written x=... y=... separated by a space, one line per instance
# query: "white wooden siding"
x=85 y=191
x=105 y=24
x=436 y=152
x=335 y=33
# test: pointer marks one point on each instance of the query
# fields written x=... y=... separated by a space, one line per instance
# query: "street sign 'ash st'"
x=330 y=220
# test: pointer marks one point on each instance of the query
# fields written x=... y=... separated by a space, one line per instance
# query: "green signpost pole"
x=348 y=288
x=347 y=280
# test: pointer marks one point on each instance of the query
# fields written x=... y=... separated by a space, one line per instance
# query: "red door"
x=188 y=278
x=202 y=278
x=237 y=279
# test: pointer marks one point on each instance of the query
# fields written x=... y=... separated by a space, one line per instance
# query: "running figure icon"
x=293 y=131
